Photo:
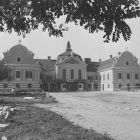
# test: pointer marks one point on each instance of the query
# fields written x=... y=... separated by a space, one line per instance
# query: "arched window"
x=80 y=74
x=64 y=73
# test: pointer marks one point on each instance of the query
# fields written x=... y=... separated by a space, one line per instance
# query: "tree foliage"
x=4 y=72
x=109 y=16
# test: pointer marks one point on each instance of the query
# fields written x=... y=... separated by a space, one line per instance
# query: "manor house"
x=70 y=72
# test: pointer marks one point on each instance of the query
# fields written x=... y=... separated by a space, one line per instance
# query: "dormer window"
x=18 y=59
x=127 y=63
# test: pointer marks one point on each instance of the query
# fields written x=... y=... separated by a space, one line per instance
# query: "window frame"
x=29 y=74
x=18 y=76
x=128 y=77
x=119 y=76
x=72 y=74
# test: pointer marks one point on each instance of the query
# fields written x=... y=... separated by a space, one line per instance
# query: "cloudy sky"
x=85 y=44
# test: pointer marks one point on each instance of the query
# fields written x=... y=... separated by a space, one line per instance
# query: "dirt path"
x=121 y=121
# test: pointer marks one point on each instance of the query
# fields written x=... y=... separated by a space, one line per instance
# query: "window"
x=72 y=74
x=29 y=85
x=64 y=73
x=80 y=74
x=136 y=76
x=80 y=86
x=28 y=74
x=17 y=74
x=49 y=77
x=108 y=86
x=18 y=59
x=104 y=77
x=64 y=85
x=90 y=78
x=127 y=63
x=120 y=76
x=96 y=77
x=17 y=85
x=5 y=85
x=120 y=85
x=108 y=76
x=128 y=75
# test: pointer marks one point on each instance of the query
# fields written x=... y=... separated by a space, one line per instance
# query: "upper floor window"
x=64 y=74
x=96 y=77
x=136 y=76
x=29 y=74
x=17 y=74
x=120 y=75
x=18 y=59
x=80 y=74
x=72 y=74
x=127 y=63
x=108 y=76
x=128 y=75
x=90 y=78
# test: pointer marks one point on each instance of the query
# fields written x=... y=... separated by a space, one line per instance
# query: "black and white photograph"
x=69 y=69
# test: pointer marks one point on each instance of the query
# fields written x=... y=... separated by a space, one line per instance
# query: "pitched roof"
x=48 y=65
x=106 y=64
x=72 y=60
x=92 y=66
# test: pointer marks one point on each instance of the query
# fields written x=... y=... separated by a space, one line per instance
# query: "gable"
x=19 y=55
x=127 y=60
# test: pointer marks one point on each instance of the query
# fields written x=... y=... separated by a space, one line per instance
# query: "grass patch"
x=36 y=123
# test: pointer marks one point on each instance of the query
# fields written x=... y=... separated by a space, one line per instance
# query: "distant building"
x=69 y=72
x=120 y=73
x=25 y=71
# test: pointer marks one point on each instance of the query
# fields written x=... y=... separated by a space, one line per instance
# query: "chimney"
x=100 y=60
x=87 y=60
x=110 y=56
x=119 y=54
x=49 y=57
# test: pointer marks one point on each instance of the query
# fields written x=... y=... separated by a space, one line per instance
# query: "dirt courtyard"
x=117 y=114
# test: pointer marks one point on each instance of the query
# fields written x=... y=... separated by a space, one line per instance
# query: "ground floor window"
x=5 y=85
x=108 y=86
x=137 y=86
x=103 y=87
x=29 y=85
x=80 y=86
x=64 y=85
x=120 y=85
x=17 y=85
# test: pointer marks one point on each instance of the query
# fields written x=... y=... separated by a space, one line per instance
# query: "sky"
x=85 y=44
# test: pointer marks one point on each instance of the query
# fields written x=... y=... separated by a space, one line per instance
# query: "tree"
x=109 y=16
x=4 y=72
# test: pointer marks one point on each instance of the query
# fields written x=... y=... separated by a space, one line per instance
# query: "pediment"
x=127 y=60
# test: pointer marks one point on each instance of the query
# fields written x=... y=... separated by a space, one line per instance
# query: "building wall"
x=107 y=80
x=68 y=68
x=122 y=83
x=23 y=82
x=94 y=79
